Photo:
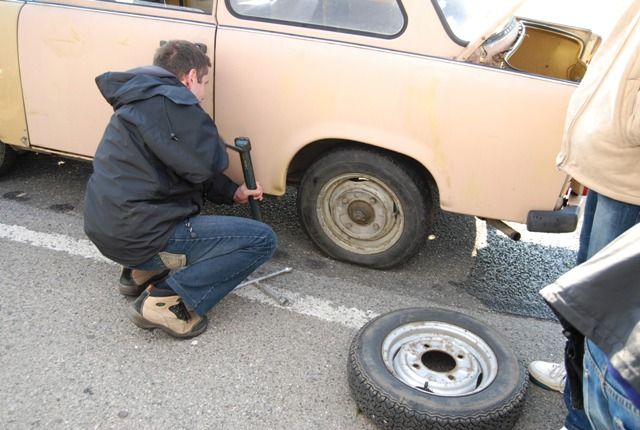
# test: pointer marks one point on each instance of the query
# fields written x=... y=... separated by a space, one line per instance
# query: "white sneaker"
x=550 y=376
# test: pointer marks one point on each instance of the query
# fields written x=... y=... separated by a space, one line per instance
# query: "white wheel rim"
x=360 y=213
x=439 y=358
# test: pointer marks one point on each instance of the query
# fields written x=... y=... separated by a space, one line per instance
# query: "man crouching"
x=160 y=157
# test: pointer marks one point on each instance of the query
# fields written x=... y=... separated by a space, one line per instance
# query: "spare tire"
x=424 y=368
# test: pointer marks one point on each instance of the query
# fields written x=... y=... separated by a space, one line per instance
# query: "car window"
x=378 y=17
x=467 y=19
x=202 y=6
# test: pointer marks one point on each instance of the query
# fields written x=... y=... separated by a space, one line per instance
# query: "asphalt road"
x=69 y=357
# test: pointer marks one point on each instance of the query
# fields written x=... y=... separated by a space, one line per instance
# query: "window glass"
x=468 y=19
x=189 y=5
x=384 y=17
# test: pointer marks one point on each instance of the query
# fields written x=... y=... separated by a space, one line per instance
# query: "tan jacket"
x=601 y=147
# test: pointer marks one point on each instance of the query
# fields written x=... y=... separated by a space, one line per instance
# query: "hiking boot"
x=133 y=281
x=551 y=376
x=166 y=312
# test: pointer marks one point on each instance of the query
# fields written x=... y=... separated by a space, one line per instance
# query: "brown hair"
x=180 y=56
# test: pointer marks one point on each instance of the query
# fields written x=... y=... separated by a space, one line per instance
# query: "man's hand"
x=242 y=194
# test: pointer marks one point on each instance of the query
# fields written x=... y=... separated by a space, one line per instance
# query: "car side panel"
x=488 y=137
x=13 y=124
x=64 y=47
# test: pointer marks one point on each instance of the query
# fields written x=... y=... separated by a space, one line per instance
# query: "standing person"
x=160 y=157
x=601 y=149
x=601 y=299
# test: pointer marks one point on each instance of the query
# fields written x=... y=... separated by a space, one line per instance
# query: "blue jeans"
x=221 y=251
x=605 y=402
x=604 y=220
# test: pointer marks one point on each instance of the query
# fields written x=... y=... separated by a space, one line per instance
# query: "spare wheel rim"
x=439 y=358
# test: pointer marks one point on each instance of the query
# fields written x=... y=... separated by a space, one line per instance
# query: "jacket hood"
x=121 y=88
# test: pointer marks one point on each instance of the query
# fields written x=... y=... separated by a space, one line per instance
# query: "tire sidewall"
x=367 y=346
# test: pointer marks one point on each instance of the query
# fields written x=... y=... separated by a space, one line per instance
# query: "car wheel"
x=7 y=157
x=435 y=369
x=365 y=206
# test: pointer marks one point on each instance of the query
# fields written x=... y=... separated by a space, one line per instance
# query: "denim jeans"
x=605 y=402
x=576 y=418
x=221 y=251
x=604 y=220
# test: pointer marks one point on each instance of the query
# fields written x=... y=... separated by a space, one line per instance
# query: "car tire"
x=365 y=206
x=472 y=379
x=7 y=157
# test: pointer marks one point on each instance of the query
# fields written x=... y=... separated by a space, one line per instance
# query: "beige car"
x=378 y=110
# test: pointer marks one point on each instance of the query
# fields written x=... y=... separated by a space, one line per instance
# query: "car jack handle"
x=242 y=146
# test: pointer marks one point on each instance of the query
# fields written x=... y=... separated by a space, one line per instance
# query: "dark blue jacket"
x=159 y=158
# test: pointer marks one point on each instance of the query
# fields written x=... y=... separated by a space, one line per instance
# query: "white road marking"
x=300 y=304
x=311 y=306
x=54 y=241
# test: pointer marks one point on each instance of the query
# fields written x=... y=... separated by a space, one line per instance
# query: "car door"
x=64 y=44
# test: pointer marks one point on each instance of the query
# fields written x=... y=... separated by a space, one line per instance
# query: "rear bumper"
x=563 y=221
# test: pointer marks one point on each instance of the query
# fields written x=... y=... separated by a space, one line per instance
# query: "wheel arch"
x=306 y=155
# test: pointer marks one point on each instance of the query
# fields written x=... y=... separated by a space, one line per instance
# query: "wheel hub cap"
x=361 y=212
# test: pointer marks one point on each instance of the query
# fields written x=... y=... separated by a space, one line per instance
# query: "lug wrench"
x=263 y=277
x=243 y=147
x=267 y=290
